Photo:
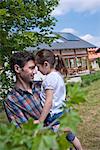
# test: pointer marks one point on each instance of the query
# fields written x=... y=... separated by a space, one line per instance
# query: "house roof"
x=65 y=41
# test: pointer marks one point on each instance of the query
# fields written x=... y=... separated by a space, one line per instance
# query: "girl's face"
x=45 y=68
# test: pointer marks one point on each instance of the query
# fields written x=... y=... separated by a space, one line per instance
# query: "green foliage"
x=88 y=79
x=70 y=119
x=19 y=21
x=29 y=137
x=6 y=80
x=75 y=94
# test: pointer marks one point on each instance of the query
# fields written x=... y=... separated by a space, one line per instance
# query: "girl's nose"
x=35 y=70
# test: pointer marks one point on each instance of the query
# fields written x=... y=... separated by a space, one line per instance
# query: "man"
x=23 y=100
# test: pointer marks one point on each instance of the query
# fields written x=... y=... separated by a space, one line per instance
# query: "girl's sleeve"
x=50 y=82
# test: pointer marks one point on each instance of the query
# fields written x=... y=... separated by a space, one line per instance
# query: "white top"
x=38 y=76
x=55 y=82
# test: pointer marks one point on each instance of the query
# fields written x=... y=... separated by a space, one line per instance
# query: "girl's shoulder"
x=54 y=73
x=53 y=77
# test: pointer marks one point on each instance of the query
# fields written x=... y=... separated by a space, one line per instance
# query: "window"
x=79 y=62
x=84 y=62
x=72 y=63
x=67 y=62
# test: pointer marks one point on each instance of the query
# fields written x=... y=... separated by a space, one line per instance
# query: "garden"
x=19 y=21
x=83 y=118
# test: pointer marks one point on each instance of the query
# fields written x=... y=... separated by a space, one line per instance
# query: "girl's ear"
x=17 y=68
x=46 y=64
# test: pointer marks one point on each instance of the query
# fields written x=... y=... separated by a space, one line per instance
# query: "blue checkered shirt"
x=21 y=105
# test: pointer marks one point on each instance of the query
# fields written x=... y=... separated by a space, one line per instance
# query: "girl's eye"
x=32 y=67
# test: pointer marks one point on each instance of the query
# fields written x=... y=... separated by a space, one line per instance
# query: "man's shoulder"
x=10 y=93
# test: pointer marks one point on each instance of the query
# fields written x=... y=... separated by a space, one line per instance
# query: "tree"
x=20 y=19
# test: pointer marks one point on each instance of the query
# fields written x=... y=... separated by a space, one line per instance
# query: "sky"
x=79 y=17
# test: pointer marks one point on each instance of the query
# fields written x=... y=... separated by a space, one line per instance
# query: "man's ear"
x=17 y=68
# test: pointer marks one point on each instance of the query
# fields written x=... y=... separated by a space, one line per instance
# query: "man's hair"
x=20 y=58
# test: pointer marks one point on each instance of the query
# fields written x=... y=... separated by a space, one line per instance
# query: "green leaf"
x=70 y=120
x=3 y=11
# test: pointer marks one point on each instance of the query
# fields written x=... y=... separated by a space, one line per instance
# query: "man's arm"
x=14 y=114
x=9 y=113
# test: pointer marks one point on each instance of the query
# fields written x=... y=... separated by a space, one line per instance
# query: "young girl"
x=53 y=91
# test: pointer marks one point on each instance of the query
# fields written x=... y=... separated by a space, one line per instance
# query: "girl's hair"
x=56 y=62
x=60 y=65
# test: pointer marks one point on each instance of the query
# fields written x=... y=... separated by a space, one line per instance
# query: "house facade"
x=73 y=50
x=94 y=57
x=76 y=60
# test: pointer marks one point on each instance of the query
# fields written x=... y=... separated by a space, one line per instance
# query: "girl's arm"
x=47 y=105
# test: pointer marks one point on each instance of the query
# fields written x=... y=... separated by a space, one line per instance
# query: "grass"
x=89 y=128
x=3 y=118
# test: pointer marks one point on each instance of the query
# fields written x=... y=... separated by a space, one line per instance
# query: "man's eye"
x=32 y=68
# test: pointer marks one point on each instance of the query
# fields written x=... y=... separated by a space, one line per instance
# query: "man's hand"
x=36 y=121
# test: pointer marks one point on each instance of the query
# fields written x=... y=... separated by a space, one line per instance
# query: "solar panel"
x=58 y=40
x=69 y=37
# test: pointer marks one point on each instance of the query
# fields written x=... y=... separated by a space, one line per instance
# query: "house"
x=73 y=49
x=94 y=56
x=98 y=59
x=98 y=51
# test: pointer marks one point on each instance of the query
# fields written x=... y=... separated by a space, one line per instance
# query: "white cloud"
x=69 y=30
x=92 y=39
x=77 y=5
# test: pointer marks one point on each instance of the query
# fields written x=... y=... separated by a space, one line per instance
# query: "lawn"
x=89 y=129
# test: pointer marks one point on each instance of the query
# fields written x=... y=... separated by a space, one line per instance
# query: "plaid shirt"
x=21 y=105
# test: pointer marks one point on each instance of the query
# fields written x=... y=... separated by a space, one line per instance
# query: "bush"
x=35 y=137
x=88 y=79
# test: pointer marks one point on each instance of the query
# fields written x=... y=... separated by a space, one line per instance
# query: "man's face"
x=28 y=71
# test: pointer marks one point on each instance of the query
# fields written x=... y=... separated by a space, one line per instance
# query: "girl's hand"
x=36 y=121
